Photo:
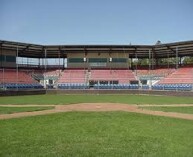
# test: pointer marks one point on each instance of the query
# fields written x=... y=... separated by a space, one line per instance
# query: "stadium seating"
x=72 y=86
x=41 y=74
x=155 y=72
x=11 y=76
x=78 y=79
x=9 y=79
x=122 y=76
x=116 y=86
x=20 y=86
x=174 y=87
x=180 y=79
x=53 y=73
x=180 y=76
x=72 y=76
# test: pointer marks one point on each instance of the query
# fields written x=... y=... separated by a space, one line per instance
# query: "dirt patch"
x=172 y=105
x=98 y=107
x=31 y=105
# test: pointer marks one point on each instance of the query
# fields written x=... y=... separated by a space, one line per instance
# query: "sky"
x=60 y=22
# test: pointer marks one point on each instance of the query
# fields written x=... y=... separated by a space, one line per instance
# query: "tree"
x=187 y=60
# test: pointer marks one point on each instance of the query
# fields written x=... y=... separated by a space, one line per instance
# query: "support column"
x=177 y=58
x=85 y=59
x=136 y=64
x=45 y=59
x=152 y=60
x=63 y=63
x=131 y=63
x=17 y=66
x=39 y=62
x=180 y=61
x=156 y=62
x=59 y=59
x=63 y=59
x=27 y=62
x=150 y=78
x=45 y=65
x=1 y=65
x=168 y=61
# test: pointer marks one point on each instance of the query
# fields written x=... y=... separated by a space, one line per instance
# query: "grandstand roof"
x=184 y=48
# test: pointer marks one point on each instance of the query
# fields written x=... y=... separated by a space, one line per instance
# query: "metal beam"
x=171 y=49
x=177 y=62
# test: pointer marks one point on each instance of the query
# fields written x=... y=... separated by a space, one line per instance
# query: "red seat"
x=11 y=76
x=180 y=76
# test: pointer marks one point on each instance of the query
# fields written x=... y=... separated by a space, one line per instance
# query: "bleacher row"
x=178 y=87
x=83 y=76
x=99 y=86
x=10 y=79
x=73 y=86
x=171 y=79
x=174 y=87
x=117 y=86
x=21 y=86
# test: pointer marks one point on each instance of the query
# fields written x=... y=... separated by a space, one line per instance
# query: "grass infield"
x=186 y=109
x=9 y=110
x=70 y=99
x=107 y=134
x=85 y=134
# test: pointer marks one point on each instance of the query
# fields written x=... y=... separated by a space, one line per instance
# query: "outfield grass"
x=85 y=134
x=186 y=109
x=9 y=110
x=69 y=99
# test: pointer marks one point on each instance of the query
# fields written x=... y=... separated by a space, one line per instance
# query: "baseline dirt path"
x=175 y=105
x=97 y=107
x=26 y=105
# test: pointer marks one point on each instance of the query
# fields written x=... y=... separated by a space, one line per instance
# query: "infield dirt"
x=97 y=107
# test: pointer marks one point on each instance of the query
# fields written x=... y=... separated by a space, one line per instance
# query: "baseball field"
x=96 y=125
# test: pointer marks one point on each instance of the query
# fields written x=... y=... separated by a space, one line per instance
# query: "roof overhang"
x=184 y=48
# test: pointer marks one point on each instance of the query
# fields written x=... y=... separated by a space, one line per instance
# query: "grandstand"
x=10 y=76
x=180 y=76
x=73 y=76
x=11 y=79
x=121 y=76
x=95 y=66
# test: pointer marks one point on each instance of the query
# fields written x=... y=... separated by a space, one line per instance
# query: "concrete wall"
x=22 y=92
x=146 y=92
